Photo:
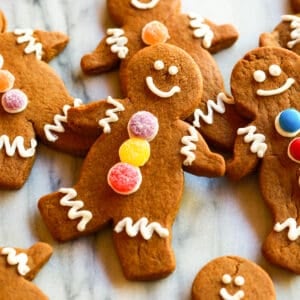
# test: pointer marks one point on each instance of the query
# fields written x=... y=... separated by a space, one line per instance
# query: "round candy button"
x=14 y=101
x=135 y=151
x=124 y=178
x=144 y=125
x=294 y=150
x=7 y=81
x=289 y=120
x=155 y=32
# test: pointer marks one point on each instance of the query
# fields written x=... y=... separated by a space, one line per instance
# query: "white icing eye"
x=239 y=280
x=259 y=76
x=274 y=70
x=159 y=65
x=226 y=278
x=173 y=70
x=1 y=61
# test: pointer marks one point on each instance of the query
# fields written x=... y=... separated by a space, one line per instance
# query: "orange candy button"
x=7 y=81
x=155 y=32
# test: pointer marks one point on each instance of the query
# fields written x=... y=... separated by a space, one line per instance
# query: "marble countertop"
x=217 y=217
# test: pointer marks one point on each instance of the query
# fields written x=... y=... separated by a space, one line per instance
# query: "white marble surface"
x=217 y=217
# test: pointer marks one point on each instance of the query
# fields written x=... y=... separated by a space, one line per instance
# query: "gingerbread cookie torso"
x=266 y=84
x=34 y=103
x=141 y=24
x=232 y=278
x=132 y=176
x=20 y=266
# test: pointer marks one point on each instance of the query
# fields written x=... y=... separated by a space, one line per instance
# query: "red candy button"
x=124 y=178
x=294 y=150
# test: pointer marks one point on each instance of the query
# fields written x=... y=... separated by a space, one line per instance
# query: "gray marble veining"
x=217 y=217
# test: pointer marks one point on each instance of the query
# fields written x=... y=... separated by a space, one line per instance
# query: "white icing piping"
x=211 y=106
x=143 y=226
x=1 y=61
x=117 y=40
x=258 y=146
x=289 y=82
x=291 y=224
x=26 y=36
x=155 y=90
x=58 y=120
x=226 y=296
x=189 y=147
x=21 y=260
x=201 y=30
x=295 y=33
x=17 y=145
x=111 y=114
x=141 y=5
x=75 y=205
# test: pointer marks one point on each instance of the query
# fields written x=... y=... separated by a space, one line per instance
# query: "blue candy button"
x=287 y=123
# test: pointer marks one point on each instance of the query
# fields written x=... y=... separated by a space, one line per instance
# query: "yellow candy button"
x=135 y=151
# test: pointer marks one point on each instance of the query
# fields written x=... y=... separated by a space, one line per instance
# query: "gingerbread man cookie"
x=20 y=266
x=232 y=278
x=266 y=84
x=132 y=176
x=143 y=23
x=34 y=102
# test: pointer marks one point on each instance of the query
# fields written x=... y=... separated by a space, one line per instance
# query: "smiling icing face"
x=238 y=281
x=172 y=70
x=275 y=71
x=144 y=5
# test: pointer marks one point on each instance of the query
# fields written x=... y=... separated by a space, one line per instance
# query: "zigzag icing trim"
x=295 y=26
x=141 y=226
x=117 y=41
x=111 y=114
x=20 y=259
x=17 y=145
x=190 y=146
x=211 y=106
x=201 y=30
x=291 y=224
x=58 y=120
x=258 y=140
x=75 y=210
x=26 y=36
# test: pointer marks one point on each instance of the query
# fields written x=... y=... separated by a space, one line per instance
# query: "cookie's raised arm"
x=197 y=157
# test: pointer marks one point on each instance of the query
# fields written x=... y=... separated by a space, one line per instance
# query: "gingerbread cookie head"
x=123 y=11
x=286 y=34
x=232 y=278
x=164 y=81
x=19 y=267
x=266 y=77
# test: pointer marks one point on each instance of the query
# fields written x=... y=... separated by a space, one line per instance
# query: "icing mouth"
x=155 y=90
x=141 y=5
x=226 y=296
x=289 y=82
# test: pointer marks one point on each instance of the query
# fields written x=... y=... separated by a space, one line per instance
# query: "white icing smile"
x=226 y=296
x=141 y=5
x=173 y=70
x=238 y=281
x=275 y=71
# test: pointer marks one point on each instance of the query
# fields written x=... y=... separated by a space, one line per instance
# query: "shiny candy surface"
x=7 y=81
x=124 y=178
x=135 y=151
x=155 y=32
x=289 y=120
x=144 y=125
x=294 y=150
x=14 y=101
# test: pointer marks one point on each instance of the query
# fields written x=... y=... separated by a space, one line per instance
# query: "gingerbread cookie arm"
x=249 y=148
x=3 y=22
x=198 y=159
x=267 y=39
x=91 y=118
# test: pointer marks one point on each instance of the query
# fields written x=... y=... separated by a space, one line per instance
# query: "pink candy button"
x=14 y=101
x=124 y=178
x=294 y=150
x=144 y=125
